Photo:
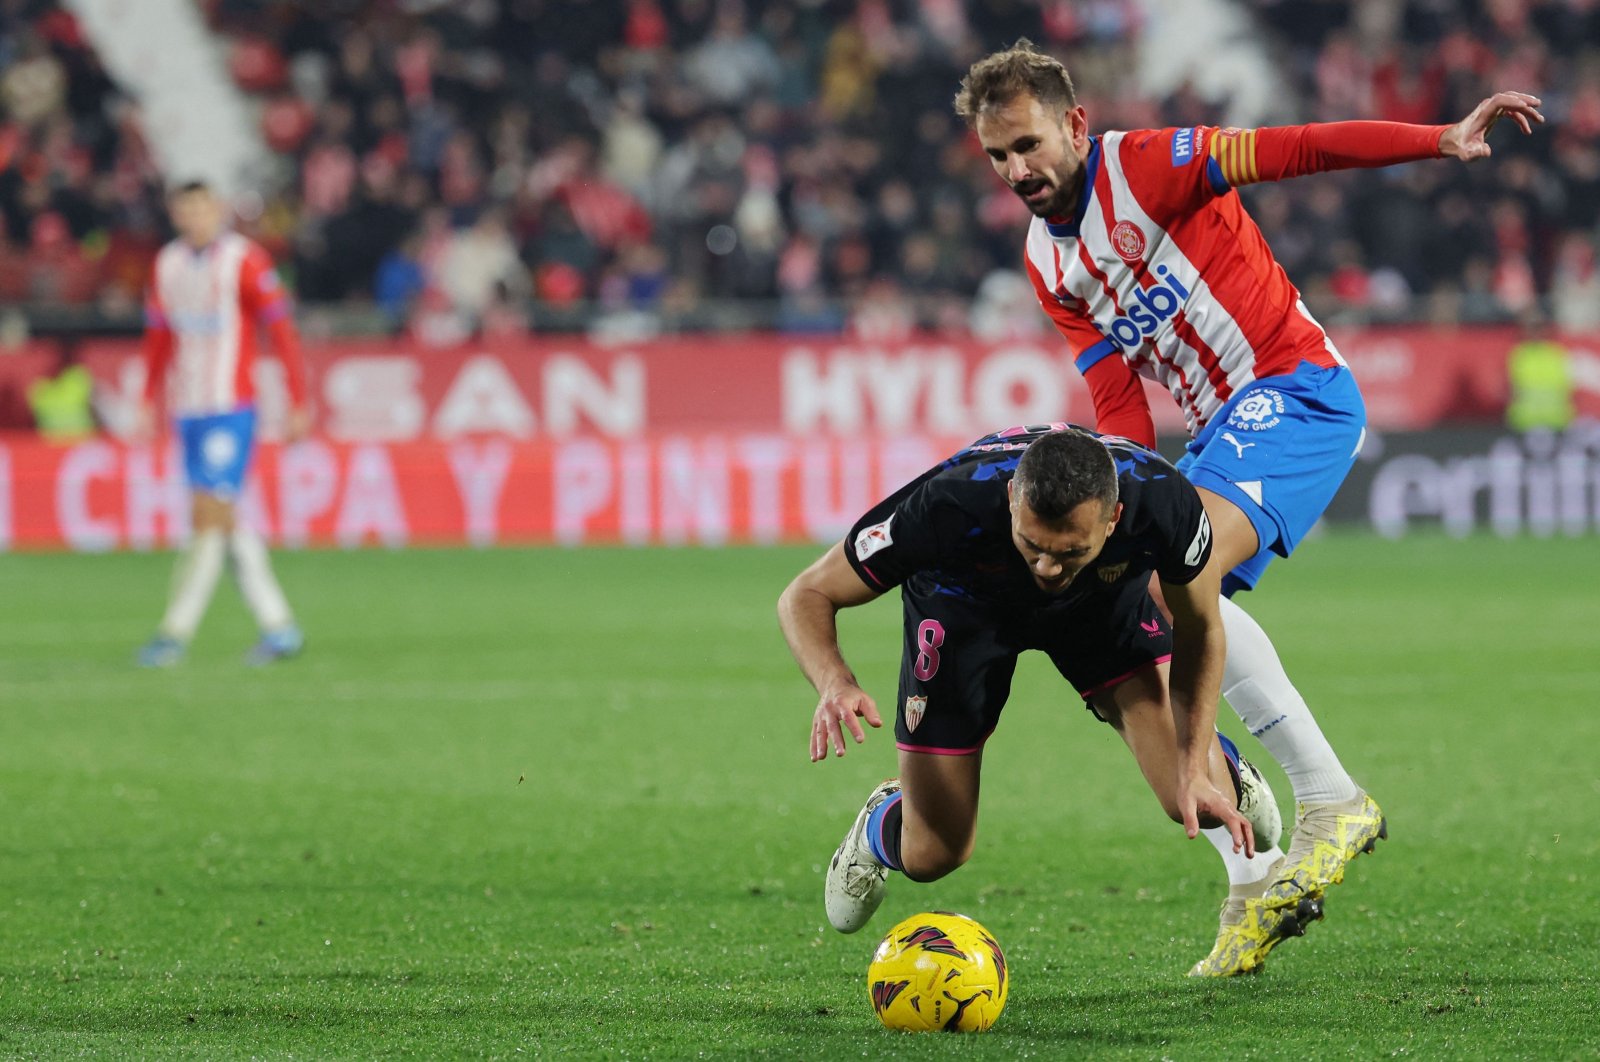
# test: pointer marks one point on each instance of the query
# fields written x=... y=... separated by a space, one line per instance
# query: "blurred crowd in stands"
x=491 y=166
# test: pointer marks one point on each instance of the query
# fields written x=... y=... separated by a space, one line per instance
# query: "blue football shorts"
x=1279 y=450
x=217 y=449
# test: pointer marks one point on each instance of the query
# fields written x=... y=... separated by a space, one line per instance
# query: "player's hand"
x=841 y=707
x=1467 y=140
x=298 y=425
x=1199 y=796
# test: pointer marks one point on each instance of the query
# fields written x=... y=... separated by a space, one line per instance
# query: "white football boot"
x=1259 y=806
x=856 y=880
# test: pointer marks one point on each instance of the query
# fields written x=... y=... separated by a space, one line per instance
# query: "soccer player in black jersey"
x=1031 y=538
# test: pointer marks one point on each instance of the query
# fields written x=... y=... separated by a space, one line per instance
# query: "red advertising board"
x=705 y=488
x=555 y=388
x=681 y=439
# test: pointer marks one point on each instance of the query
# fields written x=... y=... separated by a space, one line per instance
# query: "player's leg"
x=207 y=449
x=1266 y=469
x=252 y=571
x=1116 y=657
x=252 y=567
x=200 y=565
x=955 y=674
x=1254 y=681
x=937 y=811
x=1114 y=650
x=1139 y=709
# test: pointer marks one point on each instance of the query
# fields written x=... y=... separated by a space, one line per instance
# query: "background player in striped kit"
x=211 y=292
x=1142 y=254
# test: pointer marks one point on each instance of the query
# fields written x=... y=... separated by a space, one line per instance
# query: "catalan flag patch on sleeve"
x=1234 y=151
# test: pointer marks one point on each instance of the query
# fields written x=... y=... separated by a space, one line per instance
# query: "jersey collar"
x=1091 y=170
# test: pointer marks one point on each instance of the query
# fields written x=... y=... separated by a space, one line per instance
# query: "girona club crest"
x=1128 y=240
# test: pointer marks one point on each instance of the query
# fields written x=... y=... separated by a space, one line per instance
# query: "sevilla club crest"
x=915 y=707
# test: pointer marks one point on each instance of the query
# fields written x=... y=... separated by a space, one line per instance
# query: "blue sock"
x=883 y=832
x=1230 y=752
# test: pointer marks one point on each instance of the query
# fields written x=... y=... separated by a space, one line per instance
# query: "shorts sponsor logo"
x=1202 y=539
x=915 y=708
x=219 y=448
x=1127 y=238
x=1183 y=146
x=872 y=539
x=1257 y=411
x=1112 y=572
x=1152 y=628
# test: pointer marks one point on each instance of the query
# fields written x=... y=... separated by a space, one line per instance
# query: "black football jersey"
x=949 y=530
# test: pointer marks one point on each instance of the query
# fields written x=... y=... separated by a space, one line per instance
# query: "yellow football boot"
x=1325 y=838
x=1250 y=929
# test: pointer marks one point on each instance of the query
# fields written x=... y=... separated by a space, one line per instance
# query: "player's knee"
x=930 y=862
x=212 y=513
x=931 y=869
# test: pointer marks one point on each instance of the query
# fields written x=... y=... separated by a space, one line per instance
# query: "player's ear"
x=1116 y=515
x=1078 y=128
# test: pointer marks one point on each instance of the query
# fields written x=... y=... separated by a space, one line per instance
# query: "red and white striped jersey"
x=202 y=316
x=1161 y=273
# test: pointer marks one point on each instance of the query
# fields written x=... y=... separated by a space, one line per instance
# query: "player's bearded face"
x=1057 y=550
x=1039 y=153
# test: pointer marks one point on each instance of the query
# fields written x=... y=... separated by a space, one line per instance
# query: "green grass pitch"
x=554 y=802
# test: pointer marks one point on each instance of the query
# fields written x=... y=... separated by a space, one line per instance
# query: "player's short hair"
x=1064 y=469
x=997 y=79
x=188 y=188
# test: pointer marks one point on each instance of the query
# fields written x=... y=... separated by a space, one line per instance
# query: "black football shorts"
x=960 y=654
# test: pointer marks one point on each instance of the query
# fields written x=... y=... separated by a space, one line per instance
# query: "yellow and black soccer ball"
x=938 y=971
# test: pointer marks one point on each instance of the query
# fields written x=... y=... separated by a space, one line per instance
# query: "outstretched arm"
x=1246 y=156
x=1198 y=648
x=807 y=612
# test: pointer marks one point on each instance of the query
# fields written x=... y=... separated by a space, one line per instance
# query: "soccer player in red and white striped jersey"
x=1144 y=257
x=213 y=291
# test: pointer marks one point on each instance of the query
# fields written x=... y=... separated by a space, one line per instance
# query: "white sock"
x=252 y=569
x=194 y=578
x=1259 y=691
x=1241 y=871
